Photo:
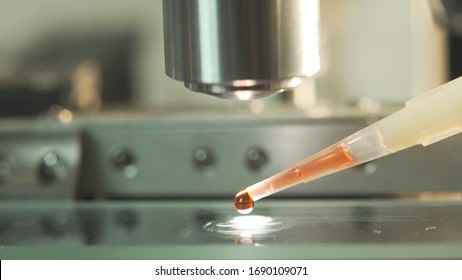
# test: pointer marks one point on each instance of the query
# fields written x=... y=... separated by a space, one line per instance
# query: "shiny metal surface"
x=179 y=229
x=241 y=49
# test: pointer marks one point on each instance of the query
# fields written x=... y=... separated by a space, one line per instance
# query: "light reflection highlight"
x=244 y=94
x=65 y=116
x=246 y=226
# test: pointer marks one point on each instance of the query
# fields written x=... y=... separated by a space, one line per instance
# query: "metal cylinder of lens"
x=241 y=49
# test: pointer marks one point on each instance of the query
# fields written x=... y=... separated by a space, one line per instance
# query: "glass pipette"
x=424 y=120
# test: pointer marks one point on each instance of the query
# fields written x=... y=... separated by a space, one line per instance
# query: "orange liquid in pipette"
x=243 y=202
x=330 y=160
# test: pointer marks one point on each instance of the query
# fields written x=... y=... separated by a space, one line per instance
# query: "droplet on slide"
x=243 y=202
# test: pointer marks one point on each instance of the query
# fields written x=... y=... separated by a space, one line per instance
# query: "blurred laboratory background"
x=112 y=54
x=90 y=120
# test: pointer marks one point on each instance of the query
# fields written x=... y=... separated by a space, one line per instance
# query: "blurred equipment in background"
x=449 y=14
x=99 y=146
x=28 y=98
x=364 y=63
x=81 y=73
x=39 y=160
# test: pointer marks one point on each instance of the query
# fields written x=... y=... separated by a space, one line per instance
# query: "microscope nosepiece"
x=241 y=49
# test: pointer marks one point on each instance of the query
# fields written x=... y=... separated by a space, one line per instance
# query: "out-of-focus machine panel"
x=213 y=158
x=38 y=160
